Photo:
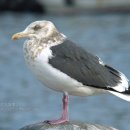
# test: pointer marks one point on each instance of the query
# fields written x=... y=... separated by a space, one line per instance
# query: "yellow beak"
x=19 y=35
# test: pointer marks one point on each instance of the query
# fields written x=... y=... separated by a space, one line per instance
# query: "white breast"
x=54 y=78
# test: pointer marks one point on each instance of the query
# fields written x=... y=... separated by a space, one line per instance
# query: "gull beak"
x=20 y=35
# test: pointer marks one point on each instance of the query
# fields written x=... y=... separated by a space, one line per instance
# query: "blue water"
x=23 y=100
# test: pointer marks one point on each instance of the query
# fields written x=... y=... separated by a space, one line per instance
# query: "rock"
x=66 y=126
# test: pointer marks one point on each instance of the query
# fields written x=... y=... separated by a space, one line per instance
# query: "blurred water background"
x=23 y=100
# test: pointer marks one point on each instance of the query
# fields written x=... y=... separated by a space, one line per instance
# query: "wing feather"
x=83 y=66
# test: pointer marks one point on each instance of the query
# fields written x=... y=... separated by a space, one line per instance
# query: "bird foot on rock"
x=57 y=122
x=65 y=117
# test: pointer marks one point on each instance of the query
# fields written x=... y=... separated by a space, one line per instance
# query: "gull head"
x=37 y=30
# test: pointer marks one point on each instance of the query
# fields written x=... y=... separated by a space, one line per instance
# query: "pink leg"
x=65 y=117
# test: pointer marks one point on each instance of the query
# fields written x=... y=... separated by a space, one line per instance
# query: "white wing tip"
x=123 y=86
x=120 y=95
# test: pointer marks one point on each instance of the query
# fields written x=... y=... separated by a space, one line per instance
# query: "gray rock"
x=67 y=126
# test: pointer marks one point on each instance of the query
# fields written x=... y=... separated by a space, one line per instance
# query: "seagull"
x=63 y=66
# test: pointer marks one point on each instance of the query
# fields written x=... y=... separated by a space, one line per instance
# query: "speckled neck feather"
x=33 y=47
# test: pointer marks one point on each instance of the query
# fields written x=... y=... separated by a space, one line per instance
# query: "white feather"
x=123 y=85
x=120 y=95
x=100 y=61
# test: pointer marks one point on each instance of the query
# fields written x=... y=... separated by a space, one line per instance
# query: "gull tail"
x=123 y=95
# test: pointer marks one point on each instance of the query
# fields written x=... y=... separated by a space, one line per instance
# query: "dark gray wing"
x=83 y=66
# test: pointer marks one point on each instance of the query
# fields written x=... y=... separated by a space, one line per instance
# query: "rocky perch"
x=67 y=126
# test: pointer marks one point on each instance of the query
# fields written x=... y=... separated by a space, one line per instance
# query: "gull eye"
x=37 y=27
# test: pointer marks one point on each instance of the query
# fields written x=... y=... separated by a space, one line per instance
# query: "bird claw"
x=47 y=121
x=56 y=122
